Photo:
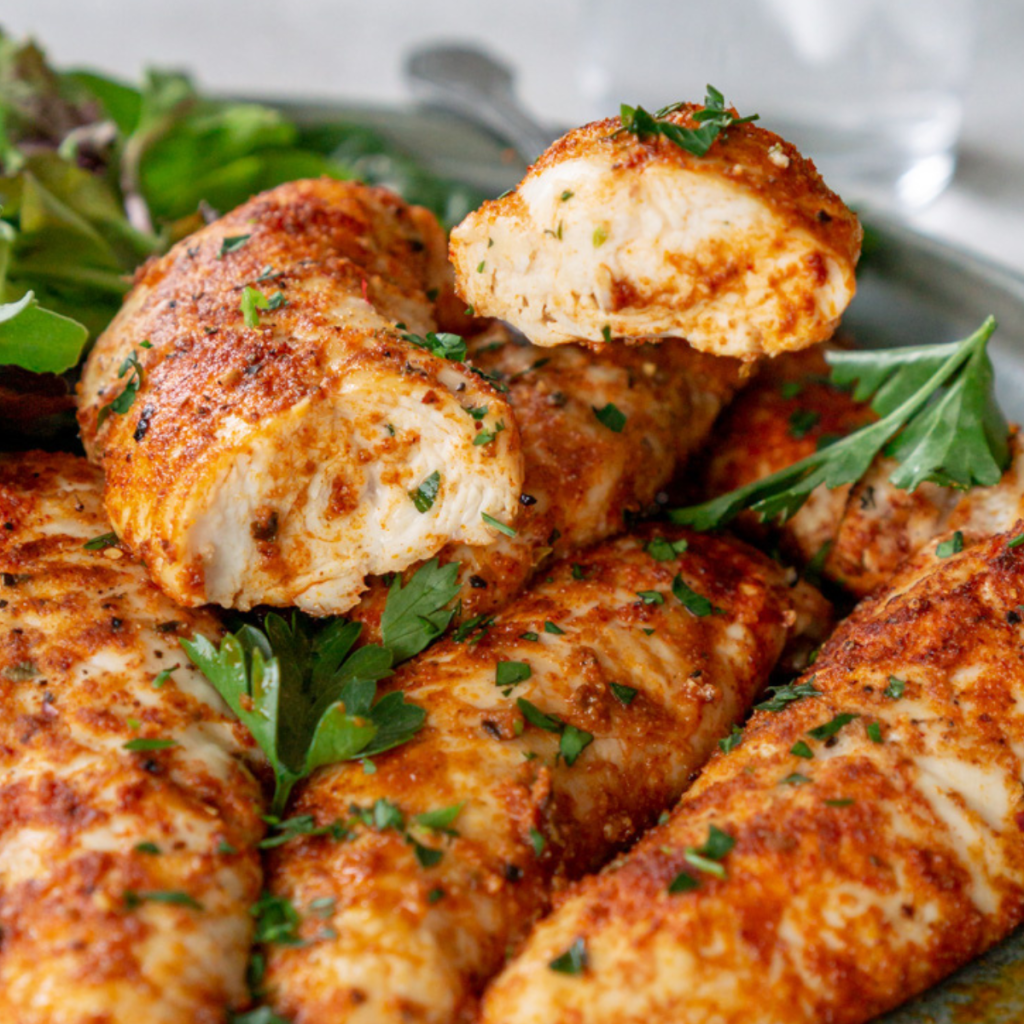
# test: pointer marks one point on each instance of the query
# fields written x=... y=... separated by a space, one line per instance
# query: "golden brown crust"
x=273 y=463
x=83 y=637
x=894 y=859
x=529 y=819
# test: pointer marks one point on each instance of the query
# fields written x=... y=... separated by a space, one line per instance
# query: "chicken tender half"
x=743 y=251
x=129 y=817
x=857 y=534
x=551 y=739
x=602 y=434
x=284 y=440
x=872 y=834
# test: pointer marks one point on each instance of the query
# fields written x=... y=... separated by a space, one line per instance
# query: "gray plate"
x=912 y=291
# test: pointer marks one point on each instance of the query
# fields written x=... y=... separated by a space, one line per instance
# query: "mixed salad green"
x=97 y=175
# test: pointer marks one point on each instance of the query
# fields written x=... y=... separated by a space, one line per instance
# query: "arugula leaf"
x=39 y=339
x=416 y=613
x=308 y=697
x=942 y=399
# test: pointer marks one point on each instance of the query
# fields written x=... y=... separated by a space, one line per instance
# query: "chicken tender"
x=856 y=847
x=743 y=251
x=602 y=434
x=129 y=816
x=281 y=438
x=552 y=738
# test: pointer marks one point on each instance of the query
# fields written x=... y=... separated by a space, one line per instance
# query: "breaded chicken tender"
x=861 y=842
x=268 y=432
x=129 y=814
x=552 y=738
x=602 y=434
x=743 y=251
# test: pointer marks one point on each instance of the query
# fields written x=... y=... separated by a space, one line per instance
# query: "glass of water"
x=871 y=90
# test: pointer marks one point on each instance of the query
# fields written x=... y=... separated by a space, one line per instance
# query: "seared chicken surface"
x=553 y=738
x=284 y=441
x=128 y=814
x=602 y=434
x=874 y=833
x=864 y=530
x=743 y=252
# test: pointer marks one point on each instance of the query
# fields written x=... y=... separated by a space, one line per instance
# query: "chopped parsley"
x=301 y=825
x=729 y=743
x=424 y=496
x=712 y=120
x=132 y=368
x=104 y=540
x=510 y=673
x=1016 y=542
x=573 y=740
x=550 y=627
x=800 y=749
x=254 y=300
x=149 y=848
x=537 y=841
x=874 y=731
x=443 y=344
x=651 y=596
x=442 y=819
x=231 y=243
x=895 y=688
x=149 y=744
x=694 y=603
x=573 y=960
x=830 y=728
x=160 y=679
x=135 y=899
x=625 y=695
x=795 y=779
x=611 y=416
x=802 y=422
x=952 y=546
x=487 y=436
x=781 y=697
x=508 y=531
x=663 y=550
x=600 y=236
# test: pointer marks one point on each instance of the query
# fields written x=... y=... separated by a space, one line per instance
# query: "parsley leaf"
x=509 y=673
x=132 y=368
x=830 y=728
x=800 y=749
x=953 y=546
x=416 y=612
x=424 y=496
x=611 y=416
x=231 y=243
x=309 y=698
x=651 y=596
x=936 y=401
x=663 y=550
x=694 y=603
x=551 y=627
x=573 y=742
x=625 y=695
x=712 y=119
x=895 y=688
x=573 y=960
x=442 y=344
x=104 y=540
x=495 y=524
x=534 y=715
x=729 y=743
x=781 y=696
x=301 y=825
x=441 y=819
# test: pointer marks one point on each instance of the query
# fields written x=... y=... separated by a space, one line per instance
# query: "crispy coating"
x=582 y=477
x=275 y=464
x=871 y=526
x=83 y=638
x=889 y=859
x=414 y=943
x=743 y=251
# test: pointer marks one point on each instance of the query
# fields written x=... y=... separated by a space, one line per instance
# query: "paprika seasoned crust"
x=631 y=691
x=860 y=532
x=860 y=874
x=126 y=875
x=276 y=462
x=744 y=251
x=602 y=434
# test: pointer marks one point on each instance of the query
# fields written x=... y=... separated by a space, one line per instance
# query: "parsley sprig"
x=939 y=421
x=309 y=696
x=712 y=120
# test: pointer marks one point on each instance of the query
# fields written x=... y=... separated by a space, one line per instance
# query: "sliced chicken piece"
x=553 y=737
x=869 y=836
x=280 y=462
x=602 y=434
x=861 y=532
x=129 y=816
x=743 y=251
